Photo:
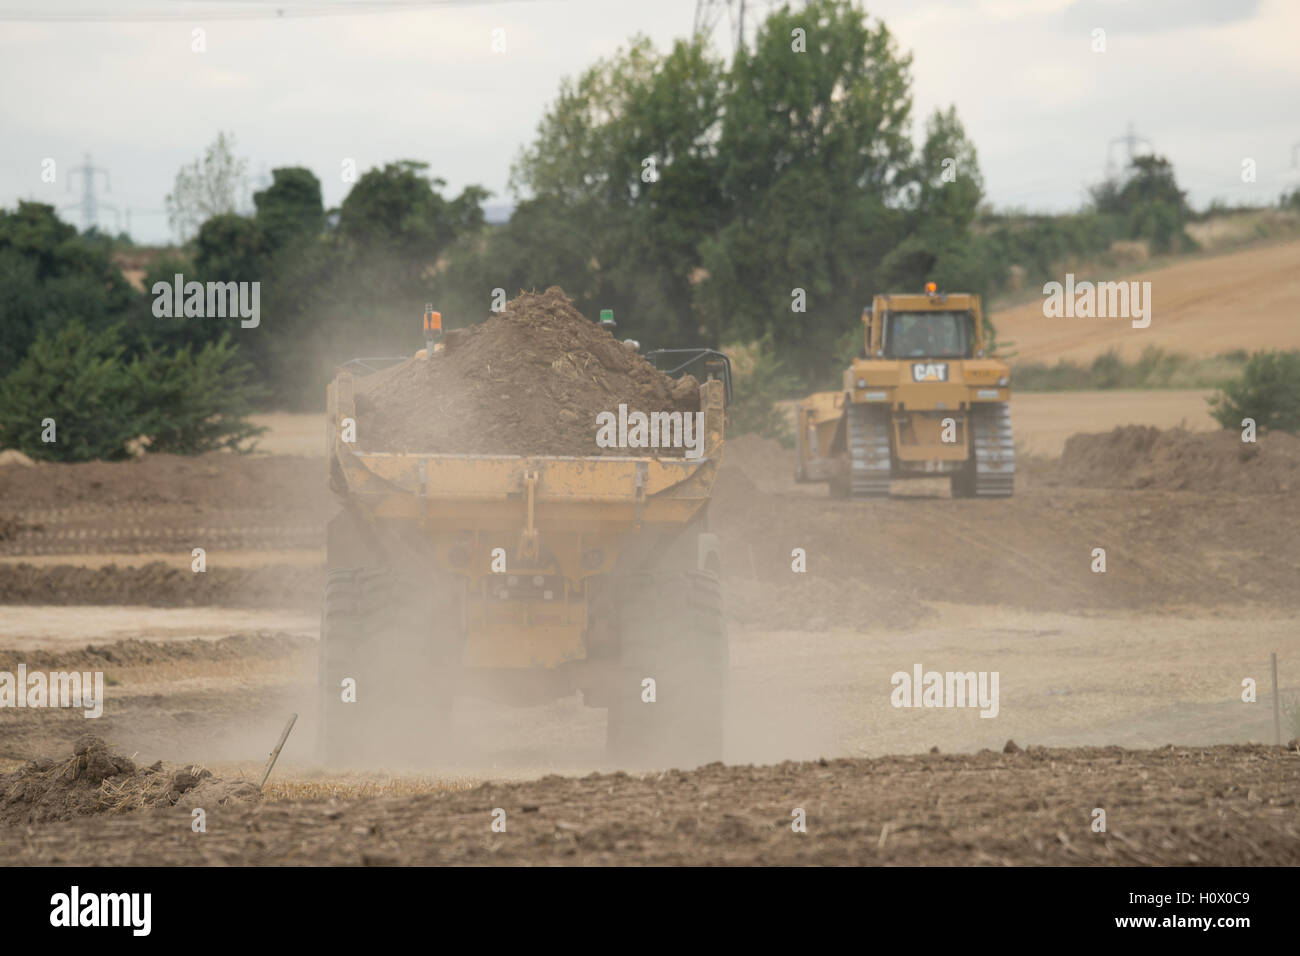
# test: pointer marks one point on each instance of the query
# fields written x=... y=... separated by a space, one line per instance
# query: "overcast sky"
x=1208 y=83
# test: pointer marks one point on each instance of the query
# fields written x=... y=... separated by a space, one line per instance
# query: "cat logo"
x=930 y=372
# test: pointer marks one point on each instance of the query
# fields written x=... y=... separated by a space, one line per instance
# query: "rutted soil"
x=886 y=559
x=216 y=482
x=529 y=381
x=882 y=561
x=164 y=503
x=1226 y=806
x=158 y=585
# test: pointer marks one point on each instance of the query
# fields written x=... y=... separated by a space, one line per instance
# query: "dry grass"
x=139 y=791
x=358 y=786
x=133 y=791
x=1291 y=716
x=182 y=677
x=1236 y=229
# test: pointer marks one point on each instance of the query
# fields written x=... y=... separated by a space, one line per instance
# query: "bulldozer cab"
x=946 y=334
x=933 y=325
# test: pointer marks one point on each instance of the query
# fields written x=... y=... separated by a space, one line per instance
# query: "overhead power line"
x=238 y=10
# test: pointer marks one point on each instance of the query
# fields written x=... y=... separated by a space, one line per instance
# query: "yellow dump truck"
x=522 y=579
x=923 y=399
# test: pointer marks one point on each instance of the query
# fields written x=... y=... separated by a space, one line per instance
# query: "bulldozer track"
x=869 y=455
x=995 y=451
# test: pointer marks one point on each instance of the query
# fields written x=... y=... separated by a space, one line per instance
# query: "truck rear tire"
x=378 y=629
x=671 y=630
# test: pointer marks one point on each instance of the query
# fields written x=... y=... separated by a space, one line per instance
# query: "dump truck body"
x=535 y=560
x=922 y=399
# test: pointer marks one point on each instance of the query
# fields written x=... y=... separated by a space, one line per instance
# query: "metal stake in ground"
x=276 y=752
x=1277 y=720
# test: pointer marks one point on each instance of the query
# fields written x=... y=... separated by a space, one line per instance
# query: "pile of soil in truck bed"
x=528 y=381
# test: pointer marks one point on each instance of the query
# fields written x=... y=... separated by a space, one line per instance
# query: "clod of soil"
x=10 y=525
x=1139 y=456
x=97 y=780
x=529 y=381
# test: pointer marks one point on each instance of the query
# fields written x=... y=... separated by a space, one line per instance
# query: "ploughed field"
x=1228 y=805
x=1200 y=587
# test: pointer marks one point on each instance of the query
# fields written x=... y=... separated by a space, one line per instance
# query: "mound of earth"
x=12 y=456
x=1139 y=456
x=132 y=652
x=529 y=381
x=208 y=482
x=159 y=585
x=97 y=780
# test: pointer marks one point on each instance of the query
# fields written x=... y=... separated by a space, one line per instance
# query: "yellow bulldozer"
x=521 y=579
x=923 y=399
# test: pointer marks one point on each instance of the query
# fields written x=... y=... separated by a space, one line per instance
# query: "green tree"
x=228 y=248
x=1268 y=390
x=98 y=398
x=290 y=209
x=1151 y=179
x=1148 y=202
x=815 y=162
x=542 y=245
x=399 y=212
x=49 y=276
x=194 y=400
x=209 y=187
x=942 y=202
x=231 y=248
x=622 y=178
